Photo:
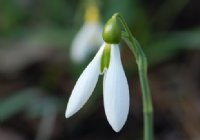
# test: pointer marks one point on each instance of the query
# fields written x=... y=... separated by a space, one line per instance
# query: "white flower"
x=86 y=41
x=115 y=88
x=89 y=36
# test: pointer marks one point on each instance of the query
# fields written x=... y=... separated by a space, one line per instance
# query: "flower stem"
x=141 y=61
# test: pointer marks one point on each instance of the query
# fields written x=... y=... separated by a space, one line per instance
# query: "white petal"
x=84 y=42
x=116 y=91
x=98 y=40
x=85 y=85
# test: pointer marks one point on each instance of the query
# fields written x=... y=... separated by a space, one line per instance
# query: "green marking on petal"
x=105 y=59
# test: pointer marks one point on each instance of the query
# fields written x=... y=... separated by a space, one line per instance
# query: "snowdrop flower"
x=89 y=36
x=115 y=87
x=107 y=62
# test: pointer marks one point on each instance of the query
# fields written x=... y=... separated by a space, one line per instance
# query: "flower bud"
x=112 y=31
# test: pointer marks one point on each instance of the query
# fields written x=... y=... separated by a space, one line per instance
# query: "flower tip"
x=116 y=129
x=68 y=113
x=117 y=126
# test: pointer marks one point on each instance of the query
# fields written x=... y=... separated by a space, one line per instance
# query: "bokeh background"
x=37 y=75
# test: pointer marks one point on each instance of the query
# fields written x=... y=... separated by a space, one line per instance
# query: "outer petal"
x=116 y=92
x=85 y=85
x=84 y=41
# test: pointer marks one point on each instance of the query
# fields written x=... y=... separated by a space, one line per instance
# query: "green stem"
x=142 y=69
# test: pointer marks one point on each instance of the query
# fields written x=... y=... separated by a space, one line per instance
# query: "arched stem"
x=141 y=61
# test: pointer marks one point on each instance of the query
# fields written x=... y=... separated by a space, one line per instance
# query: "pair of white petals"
x=115 y=89
x=86 y=41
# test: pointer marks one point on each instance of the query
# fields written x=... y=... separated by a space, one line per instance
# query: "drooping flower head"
x=89 y=36
x=107 y=62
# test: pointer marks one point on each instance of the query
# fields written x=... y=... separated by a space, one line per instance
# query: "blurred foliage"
x=31 y=100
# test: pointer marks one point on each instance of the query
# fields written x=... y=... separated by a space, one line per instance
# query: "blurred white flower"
x=86 y=41
x=115 y=88
x=89 y=37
